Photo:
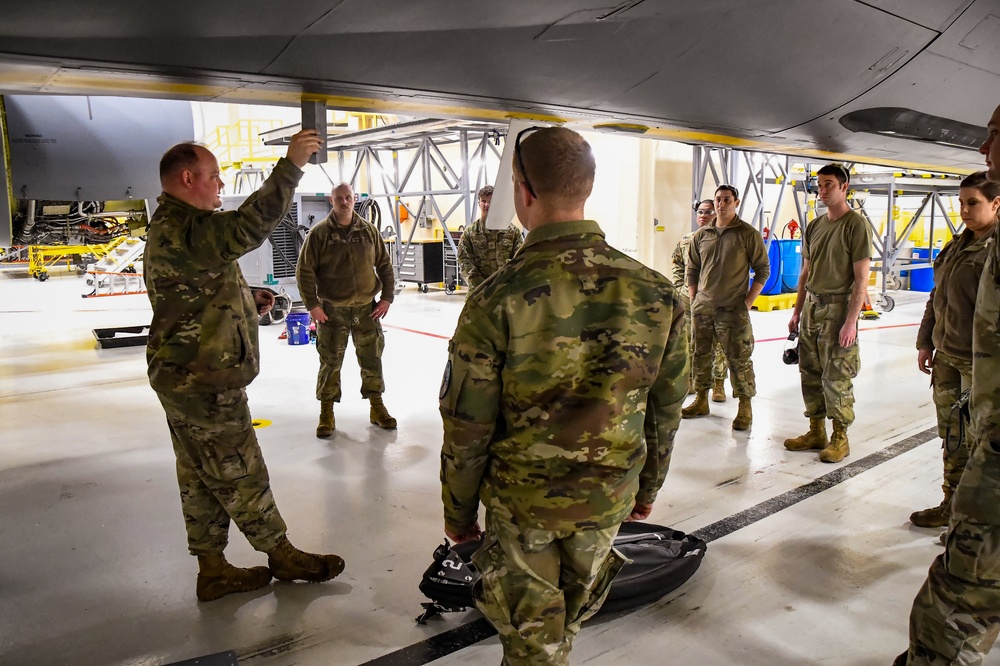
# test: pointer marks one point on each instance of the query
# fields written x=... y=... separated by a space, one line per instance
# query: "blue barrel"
x=791 y=264
x=922 y=279
x=773 y=283
x=297 y=324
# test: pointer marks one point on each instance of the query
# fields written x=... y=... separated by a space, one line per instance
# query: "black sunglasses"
x=520 y=161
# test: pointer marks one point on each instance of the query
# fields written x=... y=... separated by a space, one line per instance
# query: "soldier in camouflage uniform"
x=836 y=257
x=342 y=267
x=482 y=252
x=560 y=402
x=956 y=615
x=720 y=258
x=202 y=353
x=944 y=341
x=706 y=213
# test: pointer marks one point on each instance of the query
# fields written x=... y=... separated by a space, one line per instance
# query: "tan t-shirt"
x=832 y=248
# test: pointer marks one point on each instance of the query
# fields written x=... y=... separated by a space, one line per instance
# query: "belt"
x=827 y=299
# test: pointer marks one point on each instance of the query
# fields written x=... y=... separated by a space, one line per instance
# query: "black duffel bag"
x=660 y=560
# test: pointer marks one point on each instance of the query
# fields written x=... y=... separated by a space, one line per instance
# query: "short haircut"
x=838 y=171
x=484 y=192
x=985 y=186
x=728 y=188
x=180 y=157
x=559 y=162
x=710 y=202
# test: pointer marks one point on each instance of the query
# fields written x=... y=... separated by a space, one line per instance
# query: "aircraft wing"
x=906 y=82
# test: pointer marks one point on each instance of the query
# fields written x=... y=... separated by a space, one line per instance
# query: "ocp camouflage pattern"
x=568 y=369
x=482 y=252
x=203 y=334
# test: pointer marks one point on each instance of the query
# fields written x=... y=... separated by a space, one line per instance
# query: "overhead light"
x=915 y=126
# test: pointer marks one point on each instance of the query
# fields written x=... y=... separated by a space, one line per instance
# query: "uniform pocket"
x=223 y=449
x=613 y=563
x=488 y=592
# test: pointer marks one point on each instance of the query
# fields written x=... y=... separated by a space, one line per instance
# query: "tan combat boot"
x=327 y=422
x=744 y=415
x=697 y=408
x=217 y=578
x=935 y=516
x=289 y=563
x=814 y=439
x=719 y=391
x=379 y=415
x=838 y=449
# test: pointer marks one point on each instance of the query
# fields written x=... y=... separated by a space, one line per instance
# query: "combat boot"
x=744 y=415
x=217 y=578
x=379 y=415
x=814 y=439
x=327 y=422
x=719 y=391
x=936 y=516
x=838 y=448
x=289 y=563
x=901 y=659
x=697 y=408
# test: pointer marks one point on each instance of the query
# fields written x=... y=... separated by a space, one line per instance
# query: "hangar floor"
x=94 y=569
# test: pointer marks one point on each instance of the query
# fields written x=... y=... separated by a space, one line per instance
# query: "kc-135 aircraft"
x=900 y=82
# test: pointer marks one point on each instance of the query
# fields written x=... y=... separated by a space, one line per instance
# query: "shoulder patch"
x=445 y=381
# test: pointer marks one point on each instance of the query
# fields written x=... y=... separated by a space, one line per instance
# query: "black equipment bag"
x=660 y=560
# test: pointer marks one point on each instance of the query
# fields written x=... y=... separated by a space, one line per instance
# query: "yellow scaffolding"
x=240 y=142
x=42 y=257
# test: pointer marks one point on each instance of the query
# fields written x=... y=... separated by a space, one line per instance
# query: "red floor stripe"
x=411 y=330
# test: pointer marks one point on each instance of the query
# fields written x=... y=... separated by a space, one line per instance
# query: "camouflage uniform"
x=482 y=252
x=826 y=369
x=945 y=330
x=680 y=284
x=719 y=261
x=560 y=403
x=955 y=617
x=202 y=353
x=343 y=269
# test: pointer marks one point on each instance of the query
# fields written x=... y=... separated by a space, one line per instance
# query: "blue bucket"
x=297 y=324
x=791 y=264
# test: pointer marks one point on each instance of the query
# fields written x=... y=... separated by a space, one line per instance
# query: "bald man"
x=343 y=266
x=202 y=353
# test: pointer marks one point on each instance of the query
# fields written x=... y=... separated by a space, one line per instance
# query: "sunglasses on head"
x=520 y=160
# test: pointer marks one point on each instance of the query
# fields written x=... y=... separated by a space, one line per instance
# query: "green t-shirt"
x=832 y=247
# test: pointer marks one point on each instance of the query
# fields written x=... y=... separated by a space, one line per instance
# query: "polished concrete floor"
x=94 y=568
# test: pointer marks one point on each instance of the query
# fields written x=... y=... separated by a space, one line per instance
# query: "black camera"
x=791 y=354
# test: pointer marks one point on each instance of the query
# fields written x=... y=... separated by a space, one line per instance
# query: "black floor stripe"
x=438 y=646
x=738 y=521
x=471 y=633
